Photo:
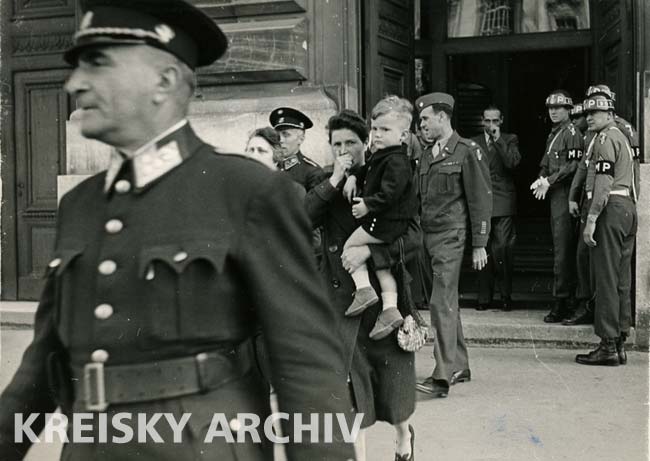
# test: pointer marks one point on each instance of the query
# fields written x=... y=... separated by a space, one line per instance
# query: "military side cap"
x=170 y=25
x=434 y=98
x=598 y=103
x=286 y=117
x=576 y=111
x=558 y=100
x=602 y=90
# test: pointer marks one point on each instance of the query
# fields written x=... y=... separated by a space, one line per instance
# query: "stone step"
x=518 y=328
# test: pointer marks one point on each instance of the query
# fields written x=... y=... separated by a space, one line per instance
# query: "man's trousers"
x=500 y=260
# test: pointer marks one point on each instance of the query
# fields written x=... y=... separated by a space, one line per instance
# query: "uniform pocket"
x=449 y=179
x=61 y=268
x=183 y=286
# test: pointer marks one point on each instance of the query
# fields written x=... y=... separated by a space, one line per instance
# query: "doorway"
x=519 y=82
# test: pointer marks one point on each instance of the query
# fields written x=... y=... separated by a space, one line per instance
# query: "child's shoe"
x=386 y=323
x=363 y=298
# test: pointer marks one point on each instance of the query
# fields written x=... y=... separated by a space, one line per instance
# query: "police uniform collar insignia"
x=290 y=162
x=602 y=138
x=478 y=154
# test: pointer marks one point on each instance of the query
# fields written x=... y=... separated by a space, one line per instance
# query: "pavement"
x=523 y=403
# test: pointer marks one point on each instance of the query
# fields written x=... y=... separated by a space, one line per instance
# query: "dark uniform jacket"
x=611 y=168
x=303 y=170
x=503 y=157
x=564 y=147
x=578 y=183
x=455 y=188
x=203 y=257
x=327 y=207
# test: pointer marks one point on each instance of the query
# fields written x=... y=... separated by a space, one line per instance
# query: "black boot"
x=620 y=349
x=605 y=354
x=558 y=312
x=583 y=315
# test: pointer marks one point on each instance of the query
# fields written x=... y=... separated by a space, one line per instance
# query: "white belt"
x=622 y=192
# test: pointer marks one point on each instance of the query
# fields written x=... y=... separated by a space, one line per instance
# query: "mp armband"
x=605 y=167
x=574 y=154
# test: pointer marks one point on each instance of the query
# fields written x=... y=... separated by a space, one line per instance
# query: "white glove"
x=541 y=189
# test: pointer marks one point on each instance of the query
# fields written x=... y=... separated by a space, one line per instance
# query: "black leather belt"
x=99 y=385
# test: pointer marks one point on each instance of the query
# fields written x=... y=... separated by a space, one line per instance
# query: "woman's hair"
x=350 y=120
x=269 y=135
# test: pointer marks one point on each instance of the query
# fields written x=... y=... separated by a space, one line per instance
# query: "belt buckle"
x=95 y=387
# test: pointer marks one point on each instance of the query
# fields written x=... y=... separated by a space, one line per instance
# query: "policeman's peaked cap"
x=174 y=26
x=430 y=99
x=287 y=117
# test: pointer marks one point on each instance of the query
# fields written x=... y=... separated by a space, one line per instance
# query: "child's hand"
x=359 y=209
x=350 y=188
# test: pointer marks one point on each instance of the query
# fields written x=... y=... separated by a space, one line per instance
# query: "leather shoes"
x=506 y=304
x=584 y=315
x=620 y=350
x=558 y=312
x=605 y=354
x=433 y=388
x=460 y=376
x=483 y=306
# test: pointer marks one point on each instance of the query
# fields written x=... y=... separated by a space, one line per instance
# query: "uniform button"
x=99 y=356
x=56 y=262
x=180 y=256
x=114 y=226
x=122 y=186
x=333 y=248
x=103 y=311
x=107 y=267
x=235 y=425
x=336 y=283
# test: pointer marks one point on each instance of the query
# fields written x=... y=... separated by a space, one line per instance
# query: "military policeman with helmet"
x=168 y=264
x=454 y=188
x=610 y=231
x=563 y=150
x=291 y=124
x=579 y=207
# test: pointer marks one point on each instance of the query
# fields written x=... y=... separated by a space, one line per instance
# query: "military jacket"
x=610 y=169
x=564 y=148
x=503 y=157
x=578 y=183
x=198 y=259
x=455 y=189
x=303 y=170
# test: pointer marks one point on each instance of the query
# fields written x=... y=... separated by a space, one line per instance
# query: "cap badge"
x=281 y=120
x=86 y=21
x=280 y=112
x=165 y=33
x=302 y=125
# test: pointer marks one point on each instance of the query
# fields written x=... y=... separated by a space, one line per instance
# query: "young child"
x=384 y=210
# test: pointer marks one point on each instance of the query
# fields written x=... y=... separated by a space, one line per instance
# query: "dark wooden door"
x=388 y=50
x=613 y=51
x=41 y=110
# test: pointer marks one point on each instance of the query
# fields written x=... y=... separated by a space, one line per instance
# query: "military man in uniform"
x=454 y=188
x=577 y=116
x=579 y=204
x=563 y=151
x=610 y=231
x=503 y=156
x=291 y=124
x=168 y=264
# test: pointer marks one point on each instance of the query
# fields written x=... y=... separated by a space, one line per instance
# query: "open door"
x=388 y=50
x=613 y=51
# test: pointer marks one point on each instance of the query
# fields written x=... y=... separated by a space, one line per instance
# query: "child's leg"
x=359 y=238
x=388 y=286
x=390 y=317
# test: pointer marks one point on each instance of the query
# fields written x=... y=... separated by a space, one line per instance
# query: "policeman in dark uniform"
x=563 y=150
x=610 y=231
x=503 y=157
x=454 y=189
x=292 y=124
x=169 y=263
x=579 y=205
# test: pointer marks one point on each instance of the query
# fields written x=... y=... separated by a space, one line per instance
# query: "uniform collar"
x=560 y=126
x=155 y=158
x=289 y=162
x=449 y=144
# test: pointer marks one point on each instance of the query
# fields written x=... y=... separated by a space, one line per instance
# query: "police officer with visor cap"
x=167 y=265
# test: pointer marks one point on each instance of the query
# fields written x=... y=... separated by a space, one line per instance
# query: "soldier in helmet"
x=563 y=150
x=610 y=230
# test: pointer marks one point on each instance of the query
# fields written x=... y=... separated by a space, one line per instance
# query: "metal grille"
x=496 y=17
